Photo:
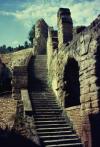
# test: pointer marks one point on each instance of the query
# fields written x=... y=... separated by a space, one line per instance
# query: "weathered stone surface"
x=84 y=50
x=65 y=26
x=26 y=100
x=40 y=40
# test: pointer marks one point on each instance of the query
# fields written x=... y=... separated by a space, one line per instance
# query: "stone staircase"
x=52 y=127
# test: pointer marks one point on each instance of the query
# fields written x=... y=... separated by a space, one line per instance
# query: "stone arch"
x=71 y=83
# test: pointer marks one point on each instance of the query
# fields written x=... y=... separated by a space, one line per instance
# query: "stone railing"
x=20 y=80
x=21 y=95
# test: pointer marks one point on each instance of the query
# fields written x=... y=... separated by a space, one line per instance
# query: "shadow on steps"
x=13 y=139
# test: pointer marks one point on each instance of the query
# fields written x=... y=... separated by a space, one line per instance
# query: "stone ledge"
x=73 y=107
x=26 y=101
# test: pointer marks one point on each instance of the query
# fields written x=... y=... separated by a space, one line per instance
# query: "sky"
x=18 y=16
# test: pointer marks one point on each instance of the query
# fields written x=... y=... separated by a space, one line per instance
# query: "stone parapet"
x=65 y=26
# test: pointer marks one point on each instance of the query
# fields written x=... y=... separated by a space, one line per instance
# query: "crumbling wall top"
x=63 y=11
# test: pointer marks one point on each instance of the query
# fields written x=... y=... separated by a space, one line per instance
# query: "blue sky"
x=18 y=16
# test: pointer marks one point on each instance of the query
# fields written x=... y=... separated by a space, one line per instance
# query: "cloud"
x=83 y=12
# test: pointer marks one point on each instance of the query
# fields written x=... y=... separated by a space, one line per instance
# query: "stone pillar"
x=52 y=44
x=40 y=40
x=65 y=26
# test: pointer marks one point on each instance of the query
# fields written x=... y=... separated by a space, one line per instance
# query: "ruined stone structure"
x=73 y=74
x=40 y=40
x=65 y=26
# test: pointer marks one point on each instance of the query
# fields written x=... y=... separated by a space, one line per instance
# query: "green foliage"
x=26 y=44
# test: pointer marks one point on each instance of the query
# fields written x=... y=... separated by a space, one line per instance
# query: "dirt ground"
x=7 y=111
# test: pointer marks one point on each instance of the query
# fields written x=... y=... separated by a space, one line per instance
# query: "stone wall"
x=83 y=52
x=20 y=78
x=76 y=120
x=24 y=123
x=20 y=73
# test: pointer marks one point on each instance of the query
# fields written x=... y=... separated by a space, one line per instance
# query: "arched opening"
x=71 y=83
x=5 y=79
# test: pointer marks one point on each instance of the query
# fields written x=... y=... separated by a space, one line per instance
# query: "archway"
x=71 y=83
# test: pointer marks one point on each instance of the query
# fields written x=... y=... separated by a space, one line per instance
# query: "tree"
x=31 y=35
x=26 y=45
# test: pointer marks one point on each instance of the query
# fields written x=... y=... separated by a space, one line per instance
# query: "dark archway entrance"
x=71 y=83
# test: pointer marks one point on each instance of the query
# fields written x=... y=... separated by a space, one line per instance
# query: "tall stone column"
x=65 y=26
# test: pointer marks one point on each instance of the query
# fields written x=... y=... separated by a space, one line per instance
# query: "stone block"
x=95 y=104
x=87 y=97
x=87 y=105
x=84 y=90
x=82 y=98
x=94 y=87
x=83 y=106
x=26 y=100
x=93 y=95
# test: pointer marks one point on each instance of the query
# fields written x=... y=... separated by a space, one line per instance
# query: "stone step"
x=47 y=113
x=36 y=65
x=40 y=69
x=65 y=128
x=56 y=132
x=45 y=102
x=66 y=145
x=40 y=62
x=61 y=141
x=45 y=105
x=58 y=136
x=37 y=118
x=52 y=126
x=43 y=98
x=50 y=122
x=48 y=109
x=41 y=57
x=42 y=93
x=50 y=101
x=41 y=75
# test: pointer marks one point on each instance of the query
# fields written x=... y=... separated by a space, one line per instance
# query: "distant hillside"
x=16 y=58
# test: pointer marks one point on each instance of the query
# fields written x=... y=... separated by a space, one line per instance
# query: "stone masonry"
x=65 y=25
x=82 y=52
x=73 y=57
x=40 y=40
